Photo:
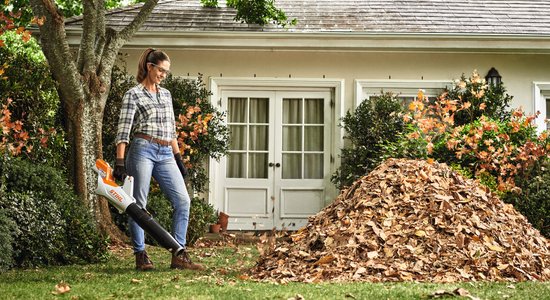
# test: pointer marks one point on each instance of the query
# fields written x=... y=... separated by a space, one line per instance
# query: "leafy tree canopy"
x=68 y=8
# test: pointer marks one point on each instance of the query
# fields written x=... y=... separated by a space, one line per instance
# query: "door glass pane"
x=292 y=138
x=259 y=110
x=257 y=165
x=313 y=166
x=292 y=111
x=259 y=137
x=237 y=110
x=314 y=111
x=292 y=166
x=313 y=138
x=237 y=134
x=236 y=165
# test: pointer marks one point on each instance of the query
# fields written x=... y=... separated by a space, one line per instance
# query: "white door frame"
x=219 y=84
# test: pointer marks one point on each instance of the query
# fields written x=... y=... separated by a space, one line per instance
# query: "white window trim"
x=541 y=92
x=219 y=84
x=364 y=88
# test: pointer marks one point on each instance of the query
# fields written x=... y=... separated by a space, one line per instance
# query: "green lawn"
x=117 y=279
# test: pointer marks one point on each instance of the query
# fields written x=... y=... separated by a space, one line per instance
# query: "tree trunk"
x=84 y=84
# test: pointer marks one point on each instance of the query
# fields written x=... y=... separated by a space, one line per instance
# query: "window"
x=405 y=89
x=542 y=104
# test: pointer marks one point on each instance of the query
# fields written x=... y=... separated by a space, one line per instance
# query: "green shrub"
x=40 y=228
x=534 y=199
x=8 y=231
x=201 y=216
x=55 y=227
x=375 y=123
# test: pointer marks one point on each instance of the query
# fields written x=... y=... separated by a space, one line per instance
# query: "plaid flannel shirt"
x=146 y=114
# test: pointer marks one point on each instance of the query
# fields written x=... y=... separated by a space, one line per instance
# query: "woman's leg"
x=140 y=164
x=171 y=182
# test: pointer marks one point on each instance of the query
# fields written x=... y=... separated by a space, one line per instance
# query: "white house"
x=285 y=89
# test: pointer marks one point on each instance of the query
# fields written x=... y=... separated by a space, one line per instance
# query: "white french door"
x=279 y=159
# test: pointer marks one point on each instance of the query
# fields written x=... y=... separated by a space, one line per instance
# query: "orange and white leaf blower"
x=121 y=198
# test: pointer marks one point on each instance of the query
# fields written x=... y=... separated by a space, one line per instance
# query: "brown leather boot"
x=143 y=263
x=183 y=261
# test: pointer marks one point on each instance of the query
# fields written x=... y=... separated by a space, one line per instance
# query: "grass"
x=117 y=279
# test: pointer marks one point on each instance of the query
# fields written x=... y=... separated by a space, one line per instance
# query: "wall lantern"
x=493 y=78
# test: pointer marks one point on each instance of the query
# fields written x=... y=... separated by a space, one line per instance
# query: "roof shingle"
x=497 y=17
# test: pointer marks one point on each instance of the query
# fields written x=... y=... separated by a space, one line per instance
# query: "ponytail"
x=150 y=55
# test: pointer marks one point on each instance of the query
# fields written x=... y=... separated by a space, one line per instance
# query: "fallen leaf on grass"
x=297 y=297
x=61 y=288
x=135 y=280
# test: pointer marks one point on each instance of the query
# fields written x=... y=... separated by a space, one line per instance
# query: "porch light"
x=493 y=78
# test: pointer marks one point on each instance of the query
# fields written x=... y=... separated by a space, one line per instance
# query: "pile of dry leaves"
x=410 y=220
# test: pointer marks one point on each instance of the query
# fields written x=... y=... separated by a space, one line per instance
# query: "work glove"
x=120 y=170
x=181 y=165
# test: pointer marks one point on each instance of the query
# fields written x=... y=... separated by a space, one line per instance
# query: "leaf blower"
x=121 y=198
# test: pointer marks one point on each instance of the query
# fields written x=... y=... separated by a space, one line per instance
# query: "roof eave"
x=336 y=41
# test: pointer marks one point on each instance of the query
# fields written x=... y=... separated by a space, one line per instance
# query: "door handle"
x=271 y=164
x=277 y=165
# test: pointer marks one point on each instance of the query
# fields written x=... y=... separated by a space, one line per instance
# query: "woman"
x=148 y=114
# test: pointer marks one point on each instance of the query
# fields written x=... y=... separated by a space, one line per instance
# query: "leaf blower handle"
x=120 y=170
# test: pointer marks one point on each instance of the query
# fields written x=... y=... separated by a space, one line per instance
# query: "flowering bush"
x=502 y=148
x=29 y=103
x=201 y=129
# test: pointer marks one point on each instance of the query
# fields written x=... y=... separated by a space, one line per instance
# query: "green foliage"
x=201 y=215
x=534 y=199
x=27 y=81
x=39 y=228
x=53 y=226
x=374 y=124
x=210 y=3
x=67 y=8
x=259 y=12
x=7 y=235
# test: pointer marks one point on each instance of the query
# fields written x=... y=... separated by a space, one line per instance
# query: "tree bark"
x=83 y=86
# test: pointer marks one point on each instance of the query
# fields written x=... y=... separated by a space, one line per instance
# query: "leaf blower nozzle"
x=121 y=198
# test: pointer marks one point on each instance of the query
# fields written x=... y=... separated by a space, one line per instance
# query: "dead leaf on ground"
x=61 y=288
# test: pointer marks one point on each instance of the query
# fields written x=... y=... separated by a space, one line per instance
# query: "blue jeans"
x=146 y=159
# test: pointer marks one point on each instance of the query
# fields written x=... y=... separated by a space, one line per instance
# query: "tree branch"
x=115 y=41
x=100 y=37
x=86 y=53
x=54 y=44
